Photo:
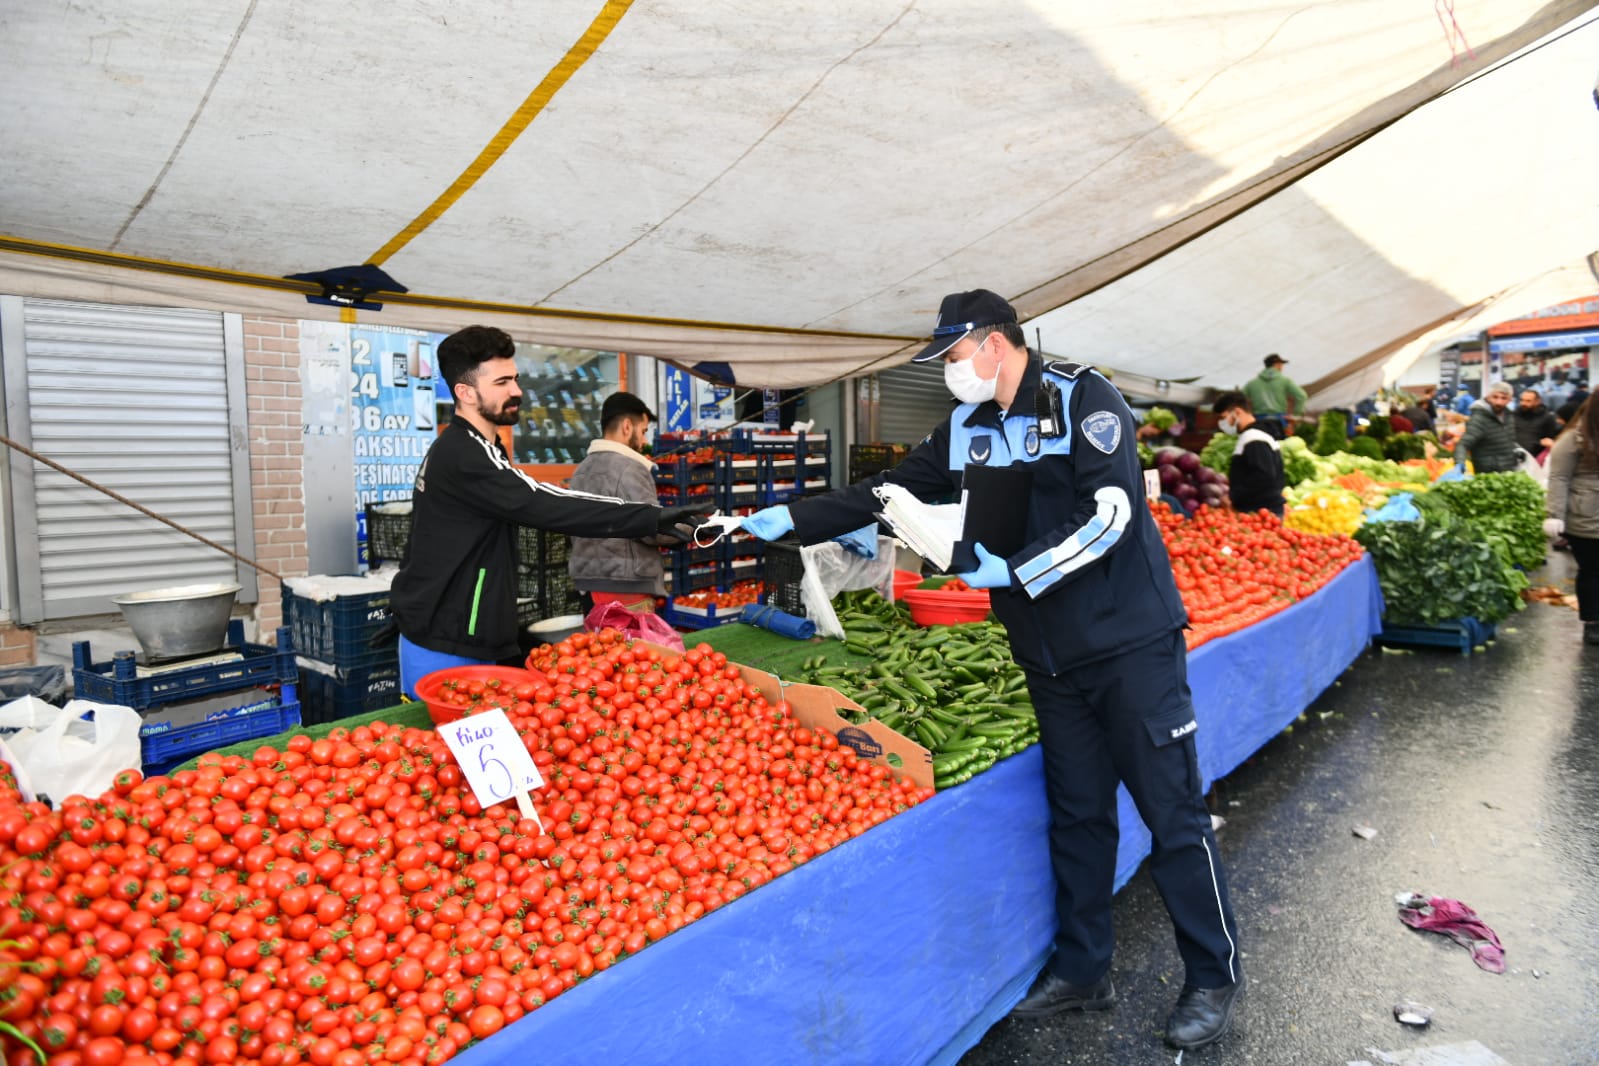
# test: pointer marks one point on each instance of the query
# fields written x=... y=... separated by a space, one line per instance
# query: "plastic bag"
x=641 y=625
x=66 y=753
x=829 y=570
x=1399 y=508
x=49 y=683
x=1532 y=467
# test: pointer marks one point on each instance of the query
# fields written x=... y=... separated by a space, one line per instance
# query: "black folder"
x=997 y=499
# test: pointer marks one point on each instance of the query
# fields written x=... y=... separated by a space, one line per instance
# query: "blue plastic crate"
x=679 y=473
x=698 y=618
x=327 y=697
x=1460 y=634
x=118 y=681
x=340 y=630
x=161 y=751
x=687 y=578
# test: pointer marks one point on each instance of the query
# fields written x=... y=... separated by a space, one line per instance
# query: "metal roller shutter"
x=139 y=400
x=912 y=400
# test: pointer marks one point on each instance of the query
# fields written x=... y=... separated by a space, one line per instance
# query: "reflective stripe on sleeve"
x=1042 y=572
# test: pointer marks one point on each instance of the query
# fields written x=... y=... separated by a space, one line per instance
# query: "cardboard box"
x=816 y=707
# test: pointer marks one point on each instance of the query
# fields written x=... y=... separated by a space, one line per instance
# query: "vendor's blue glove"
x=992 y=572
x=770 y=523
x=862 y=542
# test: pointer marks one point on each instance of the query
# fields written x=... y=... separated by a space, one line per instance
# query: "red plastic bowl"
x=935 y=607
x=443 y=713
x=904 y=581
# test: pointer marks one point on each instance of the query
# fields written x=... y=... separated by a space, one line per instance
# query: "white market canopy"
x=790 y=190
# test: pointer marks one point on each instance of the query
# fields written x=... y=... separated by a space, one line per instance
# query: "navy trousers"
x=1130 y=718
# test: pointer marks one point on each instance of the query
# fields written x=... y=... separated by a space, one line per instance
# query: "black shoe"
x=1590 y=632
x=1201 y=1015
x=1052 y=995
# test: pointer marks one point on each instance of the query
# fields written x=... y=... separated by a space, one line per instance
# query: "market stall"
x=902 y=942
x=906 y=945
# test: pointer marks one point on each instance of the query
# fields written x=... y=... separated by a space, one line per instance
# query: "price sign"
x=1151 y=483
x=493 y=758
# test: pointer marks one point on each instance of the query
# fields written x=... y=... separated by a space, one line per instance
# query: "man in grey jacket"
x=1490 y=441
x=619 y=570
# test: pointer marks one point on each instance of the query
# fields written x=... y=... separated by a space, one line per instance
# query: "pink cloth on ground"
x=1459 y=923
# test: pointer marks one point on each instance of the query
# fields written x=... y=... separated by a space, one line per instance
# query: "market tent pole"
x=141 y=508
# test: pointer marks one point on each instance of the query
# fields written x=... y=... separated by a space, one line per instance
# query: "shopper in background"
x=621 y=570
x=1096 y=623
x=1421 y=412
x=1568 y=410
x=1536 y=426
x=455 y=595
x=1463 y=401
x=1489 y=442
x=1573 y=507
x=1255 y=478
x=1273 y=397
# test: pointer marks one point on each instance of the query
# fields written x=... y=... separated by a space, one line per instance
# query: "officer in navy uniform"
x=1095 y=620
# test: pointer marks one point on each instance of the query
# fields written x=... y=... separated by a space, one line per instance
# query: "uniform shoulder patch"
x=1103 y=430
x=1070 y=371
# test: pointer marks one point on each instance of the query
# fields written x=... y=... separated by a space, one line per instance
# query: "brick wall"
x=16 y=646
x=277 y=484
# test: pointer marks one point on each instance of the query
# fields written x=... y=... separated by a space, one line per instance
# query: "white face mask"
x=1228 y=427
x=963 y=382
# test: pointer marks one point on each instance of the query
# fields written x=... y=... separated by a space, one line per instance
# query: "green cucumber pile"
x=954 y=689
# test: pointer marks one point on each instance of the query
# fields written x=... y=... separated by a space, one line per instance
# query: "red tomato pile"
x=737 y=595
x=480 y=695
x=346 y=901
x=1234 y=569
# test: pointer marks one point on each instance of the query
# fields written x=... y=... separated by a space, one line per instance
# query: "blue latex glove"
x=770 y=523
x=862 y=542
x=992 y=572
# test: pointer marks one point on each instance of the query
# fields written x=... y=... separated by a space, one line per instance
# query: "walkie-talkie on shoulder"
x=1046 y=408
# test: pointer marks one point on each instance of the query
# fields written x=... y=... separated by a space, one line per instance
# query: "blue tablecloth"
x=906 y=944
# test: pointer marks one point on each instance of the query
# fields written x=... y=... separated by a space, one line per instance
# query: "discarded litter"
x=1216 y=822
x=1471 y=1053
x=1413 y=1014
x=1452 y=918
x=1364 y=832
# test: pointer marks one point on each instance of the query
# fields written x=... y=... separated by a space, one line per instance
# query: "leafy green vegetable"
x=1332 y=433
x=1160 y=418
x=1298 y=464
x=1379 y=428
x=1218 y=453
x=1436 y=570
x=1366 y=447
x=1306 y=432
x=1146 y=456
x=1506 y=510
x=1402 y=446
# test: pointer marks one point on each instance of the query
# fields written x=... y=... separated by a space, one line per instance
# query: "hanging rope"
x=74 y=475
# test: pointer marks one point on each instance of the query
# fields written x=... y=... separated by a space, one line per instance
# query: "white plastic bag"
x=66 y=753
x=829 y=570
x=1532 y=467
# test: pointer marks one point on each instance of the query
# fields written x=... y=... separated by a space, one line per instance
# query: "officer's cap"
x=959 y=314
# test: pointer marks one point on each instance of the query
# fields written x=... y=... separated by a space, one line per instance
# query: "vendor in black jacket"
x=455 y=595
x=1095 y=620
x=1255 y=478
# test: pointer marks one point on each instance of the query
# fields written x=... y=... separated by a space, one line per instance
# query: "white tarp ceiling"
x=1479 y=207
x=788 y=189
